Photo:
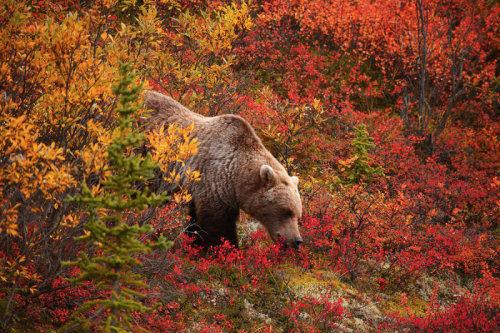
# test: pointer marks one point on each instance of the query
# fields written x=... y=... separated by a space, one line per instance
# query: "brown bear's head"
x=277 y=205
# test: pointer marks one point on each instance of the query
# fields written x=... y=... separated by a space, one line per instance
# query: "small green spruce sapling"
x=357 y=169
x=111 y=269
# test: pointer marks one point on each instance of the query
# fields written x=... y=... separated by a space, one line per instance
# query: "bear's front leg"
x=212 y=222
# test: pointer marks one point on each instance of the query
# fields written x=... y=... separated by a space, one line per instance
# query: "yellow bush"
x=57 y=67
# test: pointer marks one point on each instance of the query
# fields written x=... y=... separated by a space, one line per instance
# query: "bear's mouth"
x=293 y=244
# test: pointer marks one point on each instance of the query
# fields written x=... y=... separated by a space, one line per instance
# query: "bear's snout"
x=298 y=241
x=293 y=243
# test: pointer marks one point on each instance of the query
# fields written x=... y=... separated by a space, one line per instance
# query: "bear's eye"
x=288 y=213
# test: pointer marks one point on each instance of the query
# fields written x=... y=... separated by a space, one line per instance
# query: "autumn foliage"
x=387 y=111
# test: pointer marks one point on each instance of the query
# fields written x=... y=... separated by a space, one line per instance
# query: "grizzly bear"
x=237 y=172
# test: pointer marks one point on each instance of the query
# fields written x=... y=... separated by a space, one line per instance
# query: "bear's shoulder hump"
x=241 y=132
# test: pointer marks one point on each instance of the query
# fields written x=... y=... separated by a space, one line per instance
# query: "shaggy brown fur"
x=237 y=172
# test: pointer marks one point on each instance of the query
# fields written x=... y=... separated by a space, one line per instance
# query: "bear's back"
x=166 y=110
x=225 y=131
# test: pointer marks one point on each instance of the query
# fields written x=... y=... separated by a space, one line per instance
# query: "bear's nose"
x=297 y=242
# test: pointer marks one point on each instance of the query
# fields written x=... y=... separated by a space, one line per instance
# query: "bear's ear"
x=267 y=174
x=295 y=179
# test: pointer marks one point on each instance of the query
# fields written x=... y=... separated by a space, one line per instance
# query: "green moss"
x=415 y=306
x=314 y=283
x=272 y=280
